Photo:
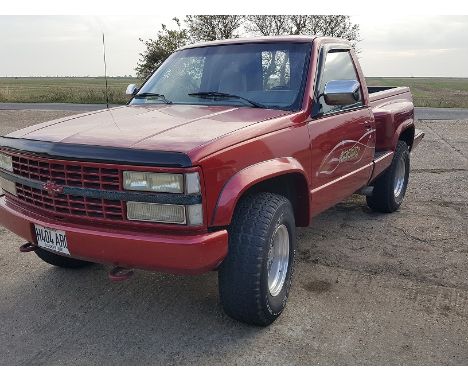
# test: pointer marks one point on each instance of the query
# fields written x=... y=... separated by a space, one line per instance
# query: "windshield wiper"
x=156 y=95
x=220 y=95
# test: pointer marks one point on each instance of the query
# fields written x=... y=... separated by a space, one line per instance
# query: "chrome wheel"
x=400 y=176
x=278 y=260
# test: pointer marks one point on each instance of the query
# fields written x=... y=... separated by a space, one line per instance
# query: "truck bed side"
x=394 y=113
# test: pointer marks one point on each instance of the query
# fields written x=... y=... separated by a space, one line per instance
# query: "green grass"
x=64 y=89
x=431 y=92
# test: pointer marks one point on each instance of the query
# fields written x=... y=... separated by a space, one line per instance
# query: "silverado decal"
x=350 y=154
x=347 y=151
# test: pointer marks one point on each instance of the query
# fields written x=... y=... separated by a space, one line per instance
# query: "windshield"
x=270 y=75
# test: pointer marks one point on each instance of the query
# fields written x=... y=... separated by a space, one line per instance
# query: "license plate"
x=51 y=239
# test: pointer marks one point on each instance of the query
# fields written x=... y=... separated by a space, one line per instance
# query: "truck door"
x=342 y=137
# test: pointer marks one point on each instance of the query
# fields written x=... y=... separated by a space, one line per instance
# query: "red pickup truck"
x=213 y=163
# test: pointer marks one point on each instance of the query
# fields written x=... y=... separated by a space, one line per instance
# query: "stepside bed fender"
x=402 y=127
x=252 y=175
x=392 y=119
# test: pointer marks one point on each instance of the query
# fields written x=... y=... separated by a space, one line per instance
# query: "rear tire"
x=60 y=261
x=390 y=187
x=255 y=278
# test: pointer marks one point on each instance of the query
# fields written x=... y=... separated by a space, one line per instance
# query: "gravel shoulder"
x=369 y=289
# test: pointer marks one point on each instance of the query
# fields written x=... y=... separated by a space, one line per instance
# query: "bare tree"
x=307 y=24
x=268 y=25
x=318 y=25
x=216 y=27
x=299 y=24
x=338 y=26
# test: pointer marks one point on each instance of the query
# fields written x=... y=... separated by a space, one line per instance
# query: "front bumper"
x=175 y=253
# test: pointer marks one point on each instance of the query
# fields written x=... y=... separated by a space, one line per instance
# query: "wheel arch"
x=404 y=132
x=284 y=176
x=407 y=135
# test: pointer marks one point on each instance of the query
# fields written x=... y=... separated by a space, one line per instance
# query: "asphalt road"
x=421 y=113
x=368 y=288
x=430 y=113
x=77 y=107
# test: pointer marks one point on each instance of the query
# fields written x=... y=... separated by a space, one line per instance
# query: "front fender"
x=239 y=183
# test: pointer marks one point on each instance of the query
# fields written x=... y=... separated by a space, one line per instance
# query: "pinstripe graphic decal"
x=347 y=151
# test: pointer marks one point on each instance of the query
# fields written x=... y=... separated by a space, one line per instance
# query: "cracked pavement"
x=369 y=289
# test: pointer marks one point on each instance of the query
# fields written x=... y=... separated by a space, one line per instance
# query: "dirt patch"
x=318 y=286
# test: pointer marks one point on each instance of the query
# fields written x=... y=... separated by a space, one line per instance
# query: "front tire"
x=390 y=187
x=60 y=261
x=255 y=278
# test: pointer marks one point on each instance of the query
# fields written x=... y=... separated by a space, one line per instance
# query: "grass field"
x=63 y=89
x=430 y=92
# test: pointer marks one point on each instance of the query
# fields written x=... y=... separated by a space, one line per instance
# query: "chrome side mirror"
x=341 y=92
x=131 y=90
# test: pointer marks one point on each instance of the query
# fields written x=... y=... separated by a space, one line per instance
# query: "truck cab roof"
x=251 y=40
x=264 y=39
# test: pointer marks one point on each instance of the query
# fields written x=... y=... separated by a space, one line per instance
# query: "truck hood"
x=178 y=128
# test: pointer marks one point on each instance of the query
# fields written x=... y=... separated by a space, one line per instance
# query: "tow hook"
x=27 y=247
x=120 y=274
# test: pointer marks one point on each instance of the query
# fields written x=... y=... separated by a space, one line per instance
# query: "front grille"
x=73 y=175
x=87 y=176
x=64 y=205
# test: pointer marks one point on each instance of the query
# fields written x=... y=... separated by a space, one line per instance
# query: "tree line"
x=197 y=28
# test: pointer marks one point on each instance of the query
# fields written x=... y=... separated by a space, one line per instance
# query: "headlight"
x=153 y=182
x=195 y=214
x=191 y=215
x=192 y=183
x=161 y=182
x=7 y=186
x=188 y=184
x=158 y=213
x=6 y=163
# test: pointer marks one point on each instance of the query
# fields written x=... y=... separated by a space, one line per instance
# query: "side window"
x=338 y=66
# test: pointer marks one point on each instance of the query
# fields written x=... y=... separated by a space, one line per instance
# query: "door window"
x=338 y=66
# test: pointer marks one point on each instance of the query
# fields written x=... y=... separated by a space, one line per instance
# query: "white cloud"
x=414 y=45
x=72 y=45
